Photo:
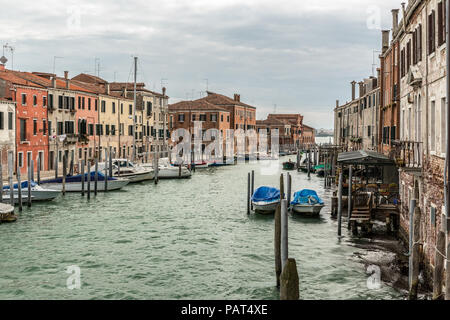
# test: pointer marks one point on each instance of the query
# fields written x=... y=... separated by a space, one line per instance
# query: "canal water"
x=187 y=239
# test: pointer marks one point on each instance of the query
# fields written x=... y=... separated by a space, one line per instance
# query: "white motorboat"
x=74 y=183
x=123 y=168
x=307 y=202
x=38 y=193
x=168 y=171
x=265 y=200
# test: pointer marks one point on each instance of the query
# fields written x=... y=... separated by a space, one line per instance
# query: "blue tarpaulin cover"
x=77 y=178
x=266 y=194
x=23 y=185
x=306 y=197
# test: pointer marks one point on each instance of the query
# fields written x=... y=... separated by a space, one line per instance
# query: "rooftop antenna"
x=163 y=81
x=207 y=84
x=54 y=63
x=10 y=48
x=97 y=67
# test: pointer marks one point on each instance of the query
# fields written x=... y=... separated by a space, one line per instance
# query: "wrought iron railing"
x=408 y=154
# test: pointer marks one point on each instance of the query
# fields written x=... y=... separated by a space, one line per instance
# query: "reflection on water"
x=187 y=239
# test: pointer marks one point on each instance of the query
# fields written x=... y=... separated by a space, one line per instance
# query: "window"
x=203 y=117
x=228 y=118
x=213 y=117
x=23 y=130
x=221 y=117
x=72 y=103
x=432 y=32
x=96 y=104
x=121 y=108
x=441 y=23
x=83 y=101
x=130 y=130
x=113 y=130
x=130 y=109
x=402 y=63
x=193 y=117
x=181 y=117
x=44 y=126
x=34 y=100
x=91 y=129
x=60 y=102
x=432 y=126
x=60 y=128
x=44 y=101
x=10 y=121
x=79 y=103
x=107 y=129
x=103 y=106
x=408 y=56
x=34 y=127
x=69 y=127
x=49 y=127
x=50 y=101
x=113 y=107
x=2 y=121
x=149 y=109
x=89 y=103
x=24 y=99
x=66 y=103
x=20 y=160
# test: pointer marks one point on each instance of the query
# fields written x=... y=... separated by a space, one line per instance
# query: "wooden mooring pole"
x=350 y=194
x=415 y=253
x=29 y=183
x=309 y=164
x=277 y=242
x=438 y=275
x=284 y=234
x=38 y=172
x=289 y=189
x=248 y=193
x=96 y=177
x=88 y=166
x=64 y=175
x=1 y=177
x=19 y=189
x=290 y=289
x=106 y=169
x=82 y=177
x=341 y=177
x=10 y=177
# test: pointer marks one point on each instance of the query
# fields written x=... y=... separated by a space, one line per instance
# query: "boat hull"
x=308 y=210
x=173 y=173
x=137 y=177
x=77 y=186
x=265 y=207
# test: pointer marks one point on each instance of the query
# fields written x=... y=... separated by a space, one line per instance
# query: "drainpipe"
x=447 y=155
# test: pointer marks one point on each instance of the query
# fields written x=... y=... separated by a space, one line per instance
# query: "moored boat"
x=38 y=193
x=307 y=202
x=289 y=165
x=74 y=183
x=168 y=171
x=265 y=200
x=123 y=168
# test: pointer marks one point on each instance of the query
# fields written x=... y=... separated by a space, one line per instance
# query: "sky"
x=281 y=56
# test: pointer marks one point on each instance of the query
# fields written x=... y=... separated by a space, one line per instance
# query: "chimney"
x=378 y=76
x=237 y=97
x=66 y=77
x=353 y=83
x=385 y=40
x=53 y=81
x=361 y=88
x=394 y=20
x=164 y=91
x=337 y=103
x=108 y=90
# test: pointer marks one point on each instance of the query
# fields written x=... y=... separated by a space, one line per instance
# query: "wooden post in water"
x=82 y=178
x=298 y=160
x=70 y=166
x=252 y=188
x=438 y=275
x=309 y=164
x=290 y=288
x=96 y=176
x=106 y=169
x=284 y=234
x=56 y=165
x=350 y=192
x=19 y=189
x=248 y=193
x=341 y=177
x=29 y=183
x=412 y=207
x=110 y=162
x=414 y=258
x=38 y=172
x=32 y=170
x=10 y=177
x=64 y=175
x=277 y=242
x=289 y=189
x=282 y=186
x=88 y=166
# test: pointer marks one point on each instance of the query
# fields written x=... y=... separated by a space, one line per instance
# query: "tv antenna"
x=11 y=49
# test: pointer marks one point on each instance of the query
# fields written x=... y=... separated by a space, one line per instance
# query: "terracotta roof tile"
x=220 y=99
x=195 y=105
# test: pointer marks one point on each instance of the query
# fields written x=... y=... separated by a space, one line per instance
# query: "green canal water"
x=187 y=239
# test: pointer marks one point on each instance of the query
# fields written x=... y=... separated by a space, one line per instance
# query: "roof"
x=195 y=105
x=13 y=77
x=89 y=78
x=140 y=87
x=308 y=127
x=272 y=122
x=221 y=100
x=363 y=157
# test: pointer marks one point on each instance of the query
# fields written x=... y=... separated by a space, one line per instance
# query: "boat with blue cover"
x=265 y=200
x=74 y=183
x=307 y=202
x=38 y=193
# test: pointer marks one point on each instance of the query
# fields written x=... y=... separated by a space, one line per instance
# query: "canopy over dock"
x=365 y=158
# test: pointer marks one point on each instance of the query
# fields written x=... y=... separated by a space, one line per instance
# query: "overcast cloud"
x=297 y=55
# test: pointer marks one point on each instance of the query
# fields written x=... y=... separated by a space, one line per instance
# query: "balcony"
x=407 y=154
x=71 y=138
